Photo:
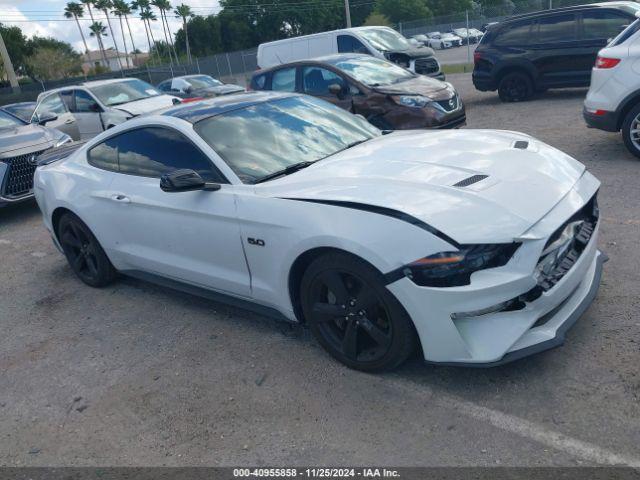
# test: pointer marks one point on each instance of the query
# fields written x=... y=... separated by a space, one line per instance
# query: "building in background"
x=94 y=58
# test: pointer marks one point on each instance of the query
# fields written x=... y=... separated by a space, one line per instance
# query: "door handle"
x=118 y=197
x=69 y=120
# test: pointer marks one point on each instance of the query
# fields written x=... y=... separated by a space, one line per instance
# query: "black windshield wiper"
x=285 y=171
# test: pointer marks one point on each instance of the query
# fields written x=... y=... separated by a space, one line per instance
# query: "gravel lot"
x=139 y=375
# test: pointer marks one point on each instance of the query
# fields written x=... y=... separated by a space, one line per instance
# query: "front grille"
x=19 y=178
x=427 y=66
x=450 y=104
x=555 y=264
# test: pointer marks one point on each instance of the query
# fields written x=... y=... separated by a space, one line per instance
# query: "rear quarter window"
x=259 y=82
x=518 y=33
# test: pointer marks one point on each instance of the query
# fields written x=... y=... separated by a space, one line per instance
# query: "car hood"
x=221 y=90
x=147 y=105
x=416 y=172
x=26 y=137
x=420 y=85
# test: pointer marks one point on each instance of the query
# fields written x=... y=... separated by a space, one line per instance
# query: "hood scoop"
x=521 y=144
x=470 y=181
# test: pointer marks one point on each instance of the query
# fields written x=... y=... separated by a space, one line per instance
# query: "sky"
x=38 y=17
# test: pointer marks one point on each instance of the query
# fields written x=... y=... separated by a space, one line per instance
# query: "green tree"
x=184 y=12
x=75 y=10
x=376 y=20
x=53 y=63
x=403 y=10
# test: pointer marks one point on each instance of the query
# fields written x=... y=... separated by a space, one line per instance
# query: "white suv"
x=613 y=101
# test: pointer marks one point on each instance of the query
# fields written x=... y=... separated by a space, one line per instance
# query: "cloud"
x=38 y=17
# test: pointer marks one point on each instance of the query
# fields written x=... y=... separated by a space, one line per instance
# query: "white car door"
x=88 y=114
x=192 y=237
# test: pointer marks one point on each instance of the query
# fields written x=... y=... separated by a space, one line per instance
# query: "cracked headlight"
x=63 y=140
x=417 y=101
x=454 y=269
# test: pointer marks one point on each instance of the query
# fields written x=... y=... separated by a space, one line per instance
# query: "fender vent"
x=521 y=144
x=470 y=181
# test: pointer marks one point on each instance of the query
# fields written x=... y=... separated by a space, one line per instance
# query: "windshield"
x=23 y=111
x=384 y=39
x=9 y=121
x=374 y=71
x=203 y=81
x=126 y=91
x=265 y=138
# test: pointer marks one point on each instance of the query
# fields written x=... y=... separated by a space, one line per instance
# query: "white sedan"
x=479 y=245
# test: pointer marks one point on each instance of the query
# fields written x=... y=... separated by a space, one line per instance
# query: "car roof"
x=574 y=8
x=93 y=83
x=331 y=59
x=211 y=107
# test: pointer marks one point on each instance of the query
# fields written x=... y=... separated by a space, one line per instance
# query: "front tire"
x=515 y=87
x=631 y=130
x=353 y=315
x=84 y=254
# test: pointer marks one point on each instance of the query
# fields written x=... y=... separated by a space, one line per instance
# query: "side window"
x=105 y=155
x=515 y=34
x=152 y=152
x=350 y=44
x=67 y=98
x=85 y=102
x=316 y=80
x=284 y=80
x=602 y=25
x=259 y=82
x=165 y=86
x=557 y=28
x=52 y=104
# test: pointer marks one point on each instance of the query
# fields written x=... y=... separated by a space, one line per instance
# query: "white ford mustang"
x=481 y=245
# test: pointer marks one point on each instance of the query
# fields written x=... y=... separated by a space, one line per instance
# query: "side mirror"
x=188 y=89
x=95 y=108
x=45 y=117
x=185 y=180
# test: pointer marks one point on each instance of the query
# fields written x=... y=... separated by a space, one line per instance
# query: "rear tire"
x=353 y=315
x=631 y=130
x=515 y=87
x=84 y=253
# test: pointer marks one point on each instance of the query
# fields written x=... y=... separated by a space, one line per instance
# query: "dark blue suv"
x=547 y=49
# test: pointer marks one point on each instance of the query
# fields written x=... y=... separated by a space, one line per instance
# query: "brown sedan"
x=387 y=95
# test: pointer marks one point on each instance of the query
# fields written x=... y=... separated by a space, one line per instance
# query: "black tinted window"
x=105 y=155
x=259 y=82
x=628 y=33
x=349 y=44
x=603 y=25
x=557 y=28
x=515 y=34
x=316 y=80
x=152 y=152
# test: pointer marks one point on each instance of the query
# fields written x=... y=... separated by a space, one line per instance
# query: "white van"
x=382 y=42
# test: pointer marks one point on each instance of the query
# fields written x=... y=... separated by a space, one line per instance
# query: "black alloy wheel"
x=84 y=254
x=515 y=87
x=353 y=316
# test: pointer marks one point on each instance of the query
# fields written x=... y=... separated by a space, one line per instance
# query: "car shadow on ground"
x=491 y=98
x=18 y=213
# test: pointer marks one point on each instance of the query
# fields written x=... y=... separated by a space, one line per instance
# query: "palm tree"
x=74 y=10
x=184 y=11
x=98 y=30
x=88 y=3
x=158 y=4
x=105 y=5
x=146 y=15
x=164 y=6
x=118 y=6
x=125 y=9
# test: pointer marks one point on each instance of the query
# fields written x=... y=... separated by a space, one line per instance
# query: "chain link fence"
x=236 y=67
